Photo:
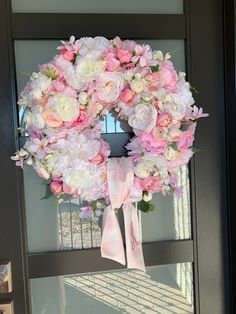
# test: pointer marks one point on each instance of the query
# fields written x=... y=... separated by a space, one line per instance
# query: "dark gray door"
x=54 y=257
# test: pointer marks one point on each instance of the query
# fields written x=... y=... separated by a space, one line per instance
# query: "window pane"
x=100 y=6
x=52 y=228
x=163 y=289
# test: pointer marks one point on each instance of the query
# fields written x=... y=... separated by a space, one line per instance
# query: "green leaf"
x=51 y=73
x=184 y=127
x=145 y=207
x=174 y=146
x=48 y=192
x=154 y=68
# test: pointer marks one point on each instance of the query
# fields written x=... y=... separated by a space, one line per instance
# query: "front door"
x=53 y=255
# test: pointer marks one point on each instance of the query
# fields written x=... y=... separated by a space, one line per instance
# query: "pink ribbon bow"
x=120 y=179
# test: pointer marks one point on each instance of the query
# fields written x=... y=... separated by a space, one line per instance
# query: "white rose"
x=83 y=98
x=144 y=168
x=170 y=153
x=66 y=107
x=144 y=118
x=147 y=196
x=88 y=67
x=109 y=86
x=137 y=85
x=76 y=178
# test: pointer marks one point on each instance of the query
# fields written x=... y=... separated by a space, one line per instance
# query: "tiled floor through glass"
x=131 y=292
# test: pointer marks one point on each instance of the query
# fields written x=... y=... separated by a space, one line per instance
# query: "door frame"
x=200 y=26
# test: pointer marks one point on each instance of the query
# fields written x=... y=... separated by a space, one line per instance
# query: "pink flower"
x=82 y=121
x=98 y=159
x=68 y=189
x=168 y=75
x=186 y=140
x=163 y=119
x=124 y=56
x=182 y=159
x=127 y=96
x=111 y=62
x=56 y=187
x=143 y=55
x=86 y=212
x=51 y=118
x=175 y=135
x=109 y=86
x=150 y=183
x=67 y=54
x=152 y=144
x=42 y=172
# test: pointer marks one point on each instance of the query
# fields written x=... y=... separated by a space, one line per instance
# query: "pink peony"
x=168 y=75
x=186 y=140
x=124 y=56
x=82 y=121
x=56 y=187
x=152 y=144
x=127 y=96
x=108 y=87
x=163 y=119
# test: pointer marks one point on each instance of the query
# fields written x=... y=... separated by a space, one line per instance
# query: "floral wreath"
x=63 y=106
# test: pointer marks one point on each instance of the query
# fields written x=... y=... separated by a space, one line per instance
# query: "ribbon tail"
x=112 y=243
x=133 y=237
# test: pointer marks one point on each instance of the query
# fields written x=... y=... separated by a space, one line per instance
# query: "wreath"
x=64 y=104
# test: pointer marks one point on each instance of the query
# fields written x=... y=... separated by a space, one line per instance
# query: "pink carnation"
x=124 y=56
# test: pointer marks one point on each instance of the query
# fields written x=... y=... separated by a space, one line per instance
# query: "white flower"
x=176 y=109
x=77 y=178
x=147 y=196
x=137 y=85
x=34 y=117
x=158 y=55
x=144 y=118
x=66 y=107
x=83 y=98
x=39 y=84
x=170 y=153
x=109 y=86
x=88 y=67
x=95 y=46
x=144 y=168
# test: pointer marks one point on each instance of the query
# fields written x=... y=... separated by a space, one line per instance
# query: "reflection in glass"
x=163 y=289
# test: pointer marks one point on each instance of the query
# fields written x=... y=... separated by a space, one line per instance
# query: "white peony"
x=88 y=67
x=66 y=107
x=95 y=46
x=144 y=168
x=77 y=178
x=144 y=118
x=39 y=84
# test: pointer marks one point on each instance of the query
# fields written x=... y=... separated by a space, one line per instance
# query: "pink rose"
x=111 y=62
x=127 y=96
x=124 y=55
x=185 y=141
x=56 y=187
x=150 y=183
x=51 y=118
x=175 y=135
x=98 y=159
x=68 y=189
x=168 y=75
x=163 y=119
x=153 y=144
x=67 y=54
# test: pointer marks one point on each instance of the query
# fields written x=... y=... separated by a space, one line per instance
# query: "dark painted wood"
x=12 y=242
x=230 y=107
x=90 y=260
x=205 y=65
x=62 y=25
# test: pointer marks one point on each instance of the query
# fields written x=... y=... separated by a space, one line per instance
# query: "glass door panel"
x=101 y=6
x=163 y=289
